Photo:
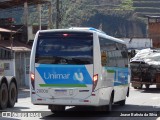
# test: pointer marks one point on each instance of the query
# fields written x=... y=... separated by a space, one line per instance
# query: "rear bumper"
x=66 y=102
x=98 y=98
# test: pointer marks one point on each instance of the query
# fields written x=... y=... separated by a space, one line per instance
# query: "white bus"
x=8 y=81
x=78 y=67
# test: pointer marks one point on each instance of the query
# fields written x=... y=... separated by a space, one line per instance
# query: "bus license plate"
x=60 y=92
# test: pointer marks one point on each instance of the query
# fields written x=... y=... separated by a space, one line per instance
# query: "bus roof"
x=85 y=29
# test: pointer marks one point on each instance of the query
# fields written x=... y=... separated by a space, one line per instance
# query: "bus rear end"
x=62 y=68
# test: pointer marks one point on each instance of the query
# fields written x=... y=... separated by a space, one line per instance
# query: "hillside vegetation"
x=147 y=7
x=115 y=17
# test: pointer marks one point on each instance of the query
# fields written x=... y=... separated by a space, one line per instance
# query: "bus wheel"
x=158 y=86
x=109 y=106
x=147 y=86
x=12 y=95
x=140 y=87
x=3 y=96
x=57 y=108
x=101 y=108
x=122 y=102
x=105 y=108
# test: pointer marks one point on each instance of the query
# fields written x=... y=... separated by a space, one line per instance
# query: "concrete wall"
x=138 y=43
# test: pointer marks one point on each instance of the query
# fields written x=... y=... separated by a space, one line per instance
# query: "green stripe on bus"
x=62 y=85
x=110 y=71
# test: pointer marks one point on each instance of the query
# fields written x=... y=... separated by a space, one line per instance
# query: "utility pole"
x=26 y=13
x=50 y=16
x=26 y=20
x=39 y=12
x=11 y=22
x=57 y=15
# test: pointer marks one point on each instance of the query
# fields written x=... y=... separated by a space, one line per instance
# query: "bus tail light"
x=65 y=35
x=32 y=80
x=95 y=80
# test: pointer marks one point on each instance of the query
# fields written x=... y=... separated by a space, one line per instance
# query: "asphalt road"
x=142 y=104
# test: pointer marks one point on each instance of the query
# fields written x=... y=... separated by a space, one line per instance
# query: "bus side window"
x=113 y=54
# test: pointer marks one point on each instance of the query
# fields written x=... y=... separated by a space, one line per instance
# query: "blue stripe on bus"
x=120 y=75
x=64 y=74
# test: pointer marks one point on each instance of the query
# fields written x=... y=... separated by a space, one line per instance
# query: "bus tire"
x=122 y=102
x=106 y=108
x=158 y=86
x=140 y=86
x=57 y=108
x=101 y=108
x=12 y=95
x=109 y=106
x=3 y=96
x=147 y=86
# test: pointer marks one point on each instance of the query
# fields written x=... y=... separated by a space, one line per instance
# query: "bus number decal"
x=42 y=91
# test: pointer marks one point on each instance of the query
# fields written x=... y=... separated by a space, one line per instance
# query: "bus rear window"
x=64 y=48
